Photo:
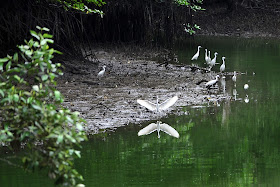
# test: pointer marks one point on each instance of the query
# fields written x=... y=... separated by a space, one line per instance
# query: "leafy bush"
x=31 y=114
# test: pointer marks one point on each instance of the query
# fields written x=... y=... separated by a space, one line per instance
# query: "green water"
x=234 y=144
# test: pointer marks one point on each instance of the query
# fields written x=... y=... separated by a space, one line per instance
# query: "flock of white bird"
x=211 y=63
x=156 y=107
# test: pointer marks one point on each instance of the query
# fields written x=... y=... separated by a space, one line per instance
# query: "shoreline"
x=110 y=102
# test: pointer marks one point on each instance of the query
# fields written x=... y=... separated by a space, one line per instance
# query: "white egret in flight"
x=159 y=126
x=212 y=82
x=223 y=66
x=158 y=107
x=196 y=54
x=101 y=73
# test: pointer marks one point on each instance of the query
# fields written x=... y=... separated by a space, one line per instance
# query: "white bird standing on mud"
x=159 y=126
x=196 y=54
x=246 y=86
x=213 y=61
x=102 y=72
x=212 y=82
x=158 y=107
x=223 y=66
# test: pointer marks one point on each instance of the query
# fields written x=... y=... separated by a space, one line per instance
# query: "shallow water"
x=234 y=144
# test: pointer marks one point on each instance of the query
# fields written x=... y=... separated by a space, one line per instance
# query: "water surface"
x=234 y=144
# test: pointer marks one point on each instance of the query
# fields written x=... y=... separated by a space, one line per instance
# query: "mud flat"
x=110 y=102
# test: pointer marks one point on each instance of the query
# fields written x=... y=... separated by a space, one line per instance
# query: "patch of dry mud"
x=111 y=101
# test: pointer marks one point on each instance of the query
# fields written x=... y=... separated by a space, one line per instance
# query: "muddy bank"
x=111 y=101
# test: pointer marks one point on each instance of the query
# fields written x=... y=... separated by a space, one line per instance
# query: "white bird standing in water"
x=246 y=86
x=196 y=54
x=234 y=76
x=209 y=57
x=213 y=61
x=159 y=126
x=246 y=99
x=101 y=73
x=234 y=93
x=212 y=82
x=158 y=107
x=223 y=66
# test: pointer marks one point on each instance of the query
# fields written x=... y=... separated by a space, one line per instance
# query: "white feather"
x=168 y=103
x=169 y=130
x=148 y=130
x=147 y=104
x=153 y=107
x=159 y=126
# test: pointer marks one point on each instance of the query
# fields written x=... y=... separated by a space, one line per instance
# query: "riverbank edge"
x=110 y=102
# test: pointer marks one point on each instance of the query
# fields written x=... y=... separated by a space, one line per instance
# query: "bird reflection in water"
x=159 y=126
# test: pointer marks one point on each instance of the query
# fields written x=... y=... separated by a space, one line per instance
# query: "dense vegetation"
x=31 y=113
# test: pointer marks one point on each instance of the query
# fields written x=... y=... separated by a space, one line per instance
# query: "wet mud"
x=110 y=102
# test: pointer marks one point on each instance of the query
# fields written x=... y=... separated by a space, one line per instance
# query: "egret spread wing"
x=169 y=130
x=148 y=130
x=147 y=104
x=168 y=103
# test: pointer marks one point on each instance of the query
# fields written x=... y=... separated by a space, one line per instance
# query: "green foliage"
x=195 y=7
x=188 y=3
x=191 y=29
x=81 y=5
x=31 y=114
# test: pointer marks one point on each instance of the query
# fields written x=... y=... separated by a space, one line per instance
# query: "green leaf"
x=15 y=58
x=2 y=93
x=44 y=77
x=4 y=59
x=59 y=138
x=16 y=97
x=17 y=77
x=46 y=35
x=45 y=29
x=28 y=52
x=78 y=153
x=36 y=88
x=79 y=127
x=34 y=34
x=57 y=95
x=38 y=27
x=37 y=107
x=1 y=66
x=8 y=66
